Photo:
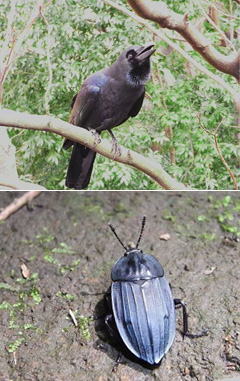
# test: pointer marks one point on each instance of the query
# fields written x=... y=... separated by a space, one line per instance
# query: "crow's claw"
x=97 y=138
x=116 y=149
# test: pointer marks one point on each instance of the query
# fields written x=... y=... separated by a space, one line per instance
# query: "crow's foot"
x=116 y=149
x=97 y=138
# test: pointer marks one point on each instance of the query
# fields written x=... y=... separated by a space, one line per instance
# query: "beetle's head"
x=136 y=266
x=131 y=247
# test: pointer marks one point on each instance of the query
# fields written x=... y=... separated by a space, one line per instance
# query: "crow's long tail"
x=80 y=167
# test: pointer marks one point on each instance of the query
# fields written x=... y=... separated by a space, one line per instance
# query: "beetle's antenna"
x=114 y=232
x=141 y=232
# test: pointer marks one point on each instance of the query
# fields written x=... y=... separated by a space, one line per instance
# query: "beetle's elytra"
x=141 y=304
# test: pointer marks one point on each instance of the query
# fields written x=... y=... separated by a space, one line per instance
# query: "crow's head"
x=135 y=63
x=137 y=56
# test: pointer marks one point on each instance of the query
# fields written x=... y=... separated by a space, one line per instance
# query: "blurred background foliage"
x=86 y=36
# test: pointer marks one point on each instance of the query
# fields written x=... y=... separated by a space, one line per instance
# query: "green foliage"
x=202 y=218
x=87 y=36
x=226 y=212
x=6 y=286
x=71 y=267
x=5 y=305
x=45 y=237
x=63 y=249
x=26 y=295
x=49 y=258
x=83 y=323
x=12 y=347
x=35 y=294
x=65 y=295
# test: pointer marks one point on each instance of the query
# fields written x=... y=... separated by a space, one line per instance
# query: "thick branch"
x=46 y=123
x=8 y=170
x=166 y=18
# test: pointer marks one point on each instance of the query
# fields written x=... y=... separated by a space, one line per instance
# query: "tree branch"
x=9 y=54
x=18 y=203
x=8 y=170
x=48 y=91
x=214 y=134
x=162 y=36
x=49 y=124
x=215 y=26
x=166 y=18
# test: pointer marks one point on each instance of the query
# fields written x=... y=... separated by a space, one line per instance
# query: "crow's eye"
x=130 y=55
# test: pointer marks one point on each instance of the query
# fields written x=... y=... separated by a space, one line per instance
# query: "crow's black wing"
x=137 y=105
x=135 y=108
x=83 y=104
x=73 y=100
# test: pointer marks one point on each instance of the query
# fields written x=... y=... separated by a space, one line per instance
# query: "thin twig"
x=5 y=48
x=73 y=318
x=7 y=185
x=18 y=203
x=10 y=17
x=14 y=358
x=11 y=54
x=228 y=15
x=47 y=94
x=222 y=34
x=214 y=134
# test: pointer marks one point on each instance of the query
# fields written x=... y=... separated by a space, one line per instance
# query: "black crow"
x=105 y=100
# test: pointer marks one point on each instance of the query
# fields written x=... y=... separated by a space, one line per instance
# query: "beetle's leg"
x=107 y=298
x=107 y=301
x=179 y=304
x=107 y=320
x=98 y=317
x=111 y=327
x=120 y=360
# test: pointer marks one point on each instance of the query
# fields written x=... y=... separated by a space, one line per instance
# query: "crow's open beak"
x=145 y=52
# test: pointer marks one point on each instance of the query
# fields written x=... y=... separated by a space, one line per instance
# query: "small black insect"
x=231 y=240
x=141 y=307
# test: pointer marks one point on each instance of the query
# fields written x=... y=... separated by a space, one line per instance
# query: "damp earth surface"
x=56 y=256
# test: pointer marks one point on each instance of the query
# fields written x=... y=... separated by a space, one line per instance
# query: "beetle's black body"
x=142 y=306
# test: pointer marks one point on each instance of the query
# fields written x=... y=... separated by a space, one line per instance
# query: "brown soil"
x=66 y=244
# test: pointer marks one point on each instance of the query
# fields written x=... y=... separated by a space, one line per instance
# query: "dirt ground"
x=64 y=241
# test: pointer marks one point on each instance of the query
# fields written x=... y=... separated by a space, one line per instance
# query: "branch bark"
x=18 y=203
x=49 y=124
x=166 y=18
x=8 y=170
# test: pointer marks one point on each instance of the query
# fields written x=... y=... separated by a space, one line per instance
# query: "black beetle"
x=142 y=307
